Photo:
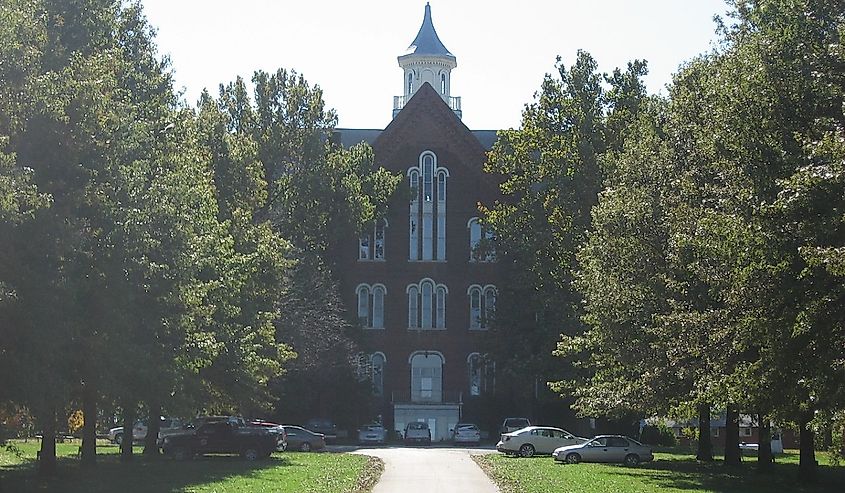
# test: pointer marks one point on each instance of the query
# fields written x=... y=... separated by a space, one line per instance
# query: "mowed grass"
x=669 y=473
x=282 y=472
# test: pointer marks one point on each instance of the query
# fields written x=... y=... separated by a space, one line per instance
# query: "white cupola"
x=427 y=60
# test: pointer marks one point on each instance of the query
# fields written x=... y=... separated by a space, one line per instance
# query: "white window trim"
x=371 y=303
x=483 y=290
x=435 y=287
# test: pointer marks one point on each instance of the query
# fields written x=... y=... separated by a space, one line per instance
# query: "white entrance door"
x=432 y=427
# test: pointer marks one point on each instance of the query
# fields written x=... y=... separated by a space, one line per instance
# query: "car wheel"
x=526 y=450
x=305 y=447
x=181 y=453
x=250 y=453
x=573 y=458
x=632 y=460
x=118 y=439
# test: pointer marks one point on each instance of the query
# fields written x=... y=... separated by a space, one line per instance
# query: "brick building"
x=422 y=288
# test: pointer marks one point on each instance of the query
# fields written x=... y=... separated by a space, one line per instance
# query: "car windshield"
x=417 y=426
x=467 y=427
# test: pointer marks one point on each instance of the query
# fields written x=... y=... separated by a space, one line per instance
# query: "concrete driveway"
x=430 y=470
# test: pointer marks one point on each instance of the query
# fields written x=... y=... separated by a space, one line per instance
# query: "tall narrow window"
x=427 y=215
x=482 y=306
x=440 y=315
x=371 y=242
x=410 y=83
x=489 y=305
x=428 y=177
x=364 y=247
x=364 y=306
x=475 y=308
x=442 y=83
x=413 y=307
x=474 y=367
x=377 y=362
x=378 y=235
x=378 y=307
x=481 y=242
x=426 y=305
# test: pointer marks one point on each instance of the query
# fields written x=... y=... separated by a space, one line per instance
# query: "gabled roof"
x=426 y=109
x=427 y=42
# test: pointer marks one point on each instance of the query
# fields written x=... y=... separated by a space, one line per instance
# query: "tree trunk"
x=153 y=427
x=732 y=453
x=128 y=424
x=705 y=442
x=764 y=450
x=47 y=454
x=807 y=465
x=89 y=427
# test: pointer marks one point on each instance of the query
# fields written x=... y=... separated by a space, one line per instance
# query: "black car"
x=221 y=437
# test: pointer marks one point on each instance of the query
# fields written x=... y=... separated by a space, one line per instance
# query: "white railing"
x=453 y=102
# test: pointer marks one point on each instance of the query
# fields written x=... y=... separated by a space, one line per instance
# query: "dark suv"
x=221 y=437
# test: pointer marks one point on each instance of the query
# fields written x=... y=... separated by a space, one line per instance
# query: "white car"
x=536 y=440
x=605 y=448
x=167 y=426
x=466 y=433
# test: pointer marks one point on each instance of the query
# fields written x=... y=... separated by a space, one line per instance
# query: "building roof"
x=427 y=42
x=349 y=137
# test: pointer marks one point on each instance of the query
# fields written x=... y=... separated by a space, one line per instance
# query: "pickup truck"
x=221 y=437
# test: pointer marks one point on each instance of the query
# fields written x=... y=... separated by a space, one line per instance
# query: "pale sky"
x=349 y=48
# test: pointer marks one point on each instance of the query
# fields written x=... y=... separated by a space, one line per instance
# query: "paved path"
x=430 y=470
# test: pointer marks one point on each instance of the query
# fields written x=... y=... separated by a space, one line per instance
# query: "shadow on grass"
x=140 y=475
x=691 y=475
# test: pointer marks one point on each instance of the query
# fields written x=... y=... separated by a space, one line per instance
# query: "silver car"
x=372 y=433
x=466 y=433
x=605 y=448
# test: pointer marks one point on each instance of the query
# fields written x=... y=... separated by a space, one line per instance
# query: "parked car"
x=304 y=440
x=513 y=424
x=372 y=433
x=605 y=448
x=323 y=426
x=274 y=429
x=536 y=440
x=466 y=433
x=167 y=426
x=221 y=437
x=417 y=432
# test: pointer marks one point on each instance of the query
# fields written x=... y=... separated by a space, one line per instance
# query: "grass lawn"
x=283 y=472
x=671 y=472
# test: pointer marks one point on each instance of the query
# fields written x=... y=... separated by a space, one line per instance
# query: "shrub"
x=658 y=434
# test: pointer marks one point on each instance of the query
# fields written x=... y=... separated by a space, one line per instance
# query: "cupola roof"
x=427 y=42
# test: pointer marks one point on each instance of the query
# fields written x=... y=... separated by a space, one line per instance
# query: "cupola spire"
x=427 y=60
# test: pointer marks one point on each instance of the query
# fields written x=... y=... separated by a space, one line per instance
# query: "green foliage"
x=658 y=434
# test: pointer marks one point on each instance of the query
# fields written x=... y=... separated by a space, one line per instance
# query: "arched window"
x=410 y=83
x=475 y=308
x=371 y=243
x=427 y=224
x=364 y=305
x=426 y=376
x=482 y=306
x=427 y=305
x=378 y=307
x=482 y=374
x=371 y=305
x=481 y=242
x=442 y=83
x=377 y=362
x=413 y=307
x=440 y=315
x=427 y=292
